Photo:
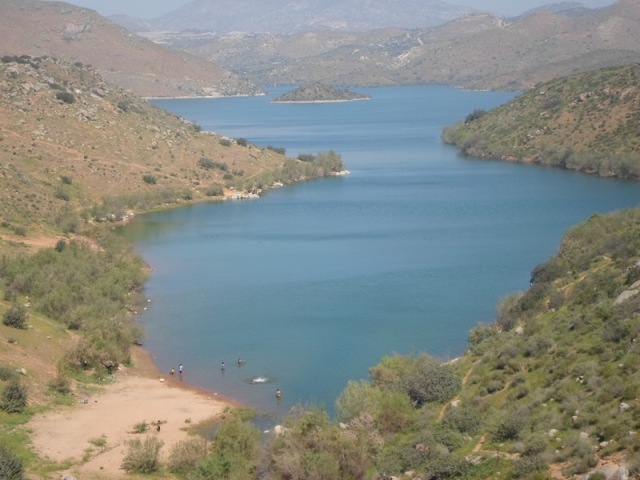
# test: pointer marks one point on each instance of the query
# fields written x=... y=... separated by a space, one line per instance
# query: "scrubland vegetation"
x=550 y=388
x=587 y=122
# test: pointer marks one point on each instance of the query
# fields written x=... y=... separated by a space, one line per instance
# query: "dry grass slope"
x=60 y=157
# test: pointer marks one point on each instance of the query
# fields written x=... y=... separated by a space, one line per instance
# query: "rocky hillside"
x=72 y=34
x=478 y=51
x=74 y=147
x=588 y=122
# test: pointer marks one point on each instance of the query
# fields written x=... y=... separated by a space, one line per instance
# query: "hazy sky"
x=156 y=8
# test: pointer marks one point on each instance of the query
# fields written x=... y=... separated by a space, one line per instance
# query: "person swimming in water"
x=278 y=393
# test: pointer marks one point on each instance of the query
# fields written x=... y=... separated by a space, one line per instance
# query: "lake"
x=312 y=284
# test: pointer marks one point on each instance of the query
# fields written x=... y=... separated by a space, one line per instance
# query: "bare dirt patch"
x=137 y=395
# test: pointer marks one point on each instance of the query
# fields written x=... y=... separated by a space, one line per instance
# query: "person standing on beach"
x=222 y=366
x=180 y=369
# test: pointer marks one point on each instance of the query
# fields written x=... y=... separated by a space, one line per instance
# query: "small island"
x=318 y=93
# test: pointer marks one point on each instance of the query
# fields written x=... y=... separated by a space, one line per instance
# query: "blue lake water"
x=312 y=284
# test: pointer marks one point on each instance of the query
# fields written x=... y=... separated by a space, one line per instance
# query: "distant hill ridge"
x=287 y=16
x=477 y=51
x=74 y=34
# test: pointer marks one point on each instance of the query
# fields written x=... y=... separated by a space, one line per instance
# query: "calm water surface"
x=312 y=284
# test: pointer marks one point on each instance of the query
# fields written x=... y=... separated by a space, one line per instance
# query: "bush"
x=242 y=142
x=60 y=385
x=475 y=115
x=7 y=373
x=186 y=454
x=60 y=245
x=14 y=397
x=280 y=150
x=215 y=190
x=10 y=465
x=423 y=378
x=150 y=179
x=209 y=164
x=65 y=97
x=306 y=157
x=16 y=317
x=142 y=457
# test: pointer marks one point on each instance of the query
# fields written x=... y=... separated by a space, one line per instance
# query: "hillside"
x=478 y=51
x=73 y=34
x=75 y=149
x=587 y=122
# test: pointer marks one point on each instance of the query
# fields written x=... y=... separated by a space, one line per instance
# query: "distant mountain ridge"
x=288 y=16
x=477 y=51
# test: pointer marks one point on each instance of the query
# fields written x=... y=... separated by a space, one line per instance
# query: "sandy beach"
x=138 y=394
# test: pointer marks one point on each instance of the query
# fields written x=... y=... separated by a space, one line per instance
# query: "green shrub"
x=280 y=150
x=60 y=385
x=150 y=179
x=215 y=190
x=423 y=378
x=185 y=455
x=65 y=97
x=7 y=373
x=60 y=245
x=509 y=427
x=16 y=317
x=142 y=457
x=225 y=142
x=528 y=465
x=10 y=465
x=209 y=164
x=14 y=397
x=475 y=115
x=141 y=427
x=306 y=157
x=242 y=142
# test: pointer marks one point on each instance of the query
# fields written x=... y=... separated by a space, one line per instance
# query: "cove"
x=312 y=284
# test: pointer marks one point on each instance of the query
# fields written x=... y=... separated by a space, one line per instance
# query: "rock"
x=279 y=430
x=624 y=296
x=621 y=474
x=624 y=407
x=552 y=433
x=584 y=436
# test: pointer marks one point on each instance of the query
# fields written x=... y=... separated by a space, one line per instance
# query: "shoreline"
x=92 y=436
x=146 y=366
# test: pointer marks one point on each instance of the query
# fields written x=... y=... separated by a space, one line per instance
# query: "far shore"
x=93 y=434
